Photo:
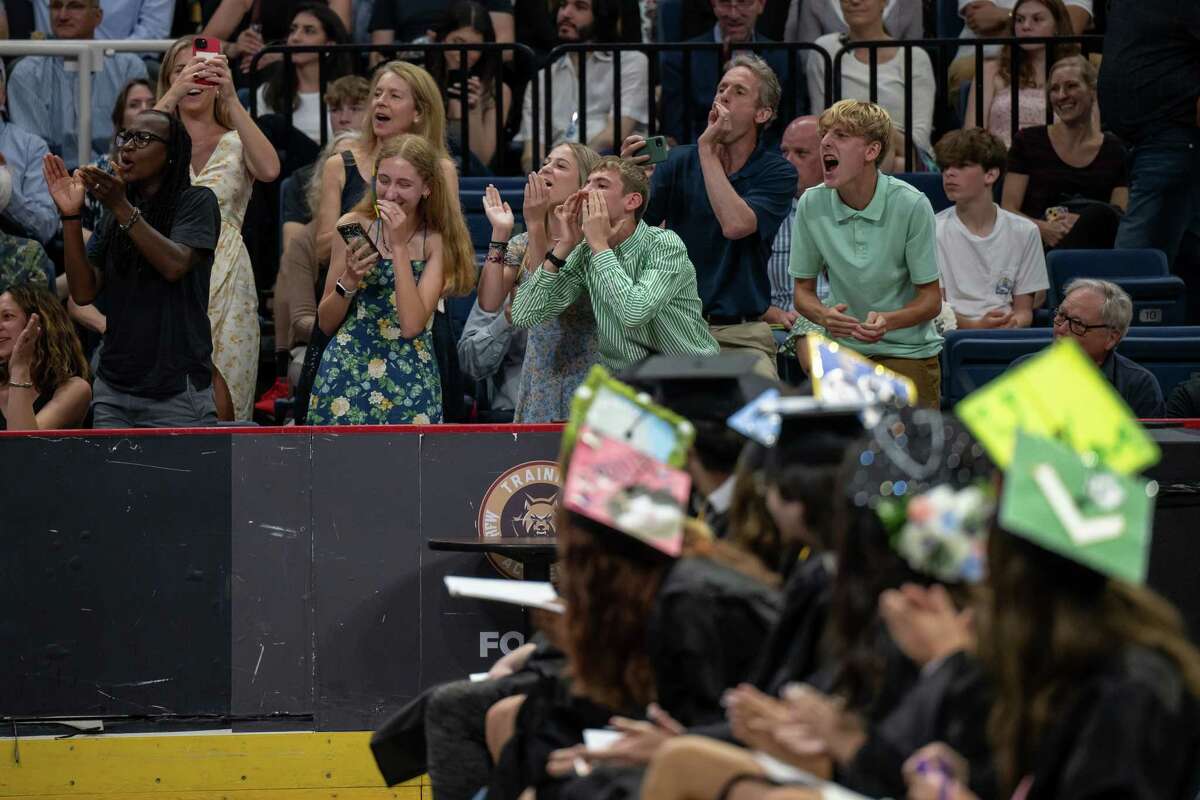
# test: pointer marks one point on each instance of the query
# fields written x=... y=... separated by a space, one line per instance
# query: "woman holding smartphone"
x=397 y=253
x=229 y=153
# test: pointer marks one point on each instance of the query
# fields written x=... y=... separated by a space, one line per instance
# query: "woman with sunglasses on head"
x=151 y=255
x=43 y=374
x=229 y=153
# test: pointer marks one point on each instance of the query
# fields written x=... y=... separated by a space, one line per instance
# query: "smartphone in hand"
x=656 y=148
x=352 y=234
x=206 y=48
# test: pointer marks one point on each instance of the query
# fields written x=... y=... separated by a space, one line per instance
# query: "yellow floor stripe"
x=305 y=766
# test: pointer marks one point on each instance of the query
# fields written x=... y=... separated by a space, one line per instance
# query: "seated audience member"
x=801 y=146
x=698 y=17
x=865 y=19
x=21 y=260
x=537 y=23
x=43 y=90
x=1184 y=402
x=990 y=260
x=311 y=24
x=346 y=99
x=244 y=27
x=468 y=22
x=409 y=20
x=594 y=22
x=379 y=366
x=874 y=234
x=640 y=281
x=123 y=19
x=726 y=196
x=809 y=20
x=685 y=113
x=991 y=18
x=150 y=255
x=1070 y=178
x=1030 y=18
x=1096 y=682
x=229 y=153
x=43 y=374
x=30 y=212
x=491 y=351
x=1096 y=314
x=560 y=350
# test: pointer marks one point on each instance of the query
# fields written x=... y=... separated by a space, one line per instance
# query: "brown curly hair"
x=57 y=355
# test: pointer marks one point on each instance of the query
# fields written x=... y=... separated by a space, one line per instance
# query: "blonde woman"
x=379 y=366
x=229 y=153
x=403 y=99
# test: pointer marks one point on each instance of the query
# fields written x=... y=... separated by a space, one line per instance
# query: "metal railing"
x=524 y=60
x=89 y=53
x=722 y=51
x=943 y=54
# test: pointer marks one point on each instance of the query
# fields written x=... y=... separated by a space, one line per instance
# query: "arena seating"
x=971 y=358
x=470 y=194
x=1159 y=298
x=930 y=184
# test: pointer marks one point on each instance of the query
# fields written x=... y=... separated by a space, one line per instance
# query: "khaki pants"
x=755 y=338
x=926 y=373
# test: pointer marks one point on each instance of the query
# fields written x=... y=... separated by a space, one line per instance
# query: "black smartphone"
x=456 y=81
x=656 y=148
x=352 y=233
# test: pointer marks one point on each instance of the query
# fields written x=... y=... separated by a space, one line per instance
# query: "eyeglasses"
x=139 y=139
x=740 y=5
x=73 y=6
x=1077 y=326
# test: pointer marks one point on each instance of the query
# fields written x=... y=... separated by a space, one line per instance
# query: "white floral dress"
x=232 y=297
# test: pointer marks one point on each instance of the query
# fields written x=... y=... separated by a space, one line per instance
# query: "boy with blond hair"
x=874 y=234
x=641 y=283
x=990 y=260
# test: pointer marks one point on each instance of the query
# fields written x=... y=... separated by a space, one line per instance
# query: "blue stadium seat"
x=475 y=183
x=471 y=199
x=1159 y=298
x=971 y=358
x=930 y=184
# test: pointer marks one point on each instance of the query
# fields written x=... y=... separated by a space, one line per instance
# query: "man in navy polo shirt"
x=726 y=196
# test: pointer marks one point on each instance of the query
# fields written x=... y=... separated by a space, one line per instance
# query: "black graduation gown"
x=1132 y=731
x=706 y=629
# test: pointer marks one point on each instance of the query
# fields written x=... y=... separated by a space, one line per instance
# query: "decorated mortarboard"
x=841 y=375
x=700 y=388
x=774 y=419
x=1078 y=508
x=623 y=455
x=929 y=481
x=1059 y=394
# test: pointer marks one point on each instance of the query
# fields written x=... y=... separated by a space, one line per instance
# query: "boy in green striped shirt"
x=640 y=280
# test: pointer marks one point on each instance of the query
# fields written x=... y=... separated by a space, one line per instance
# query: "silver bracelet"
x=133 y=218
x=15 y=385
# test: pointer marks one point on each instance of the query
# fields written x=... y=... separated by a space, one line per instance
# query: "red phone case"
x=212 y=47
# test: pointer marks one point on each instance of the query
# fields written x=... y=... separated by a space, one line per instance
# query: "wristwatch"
x=343 y=291
x=559 y=263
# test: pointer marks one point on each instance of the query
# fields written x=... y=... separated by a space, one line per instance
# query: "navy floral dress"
x=369 y=374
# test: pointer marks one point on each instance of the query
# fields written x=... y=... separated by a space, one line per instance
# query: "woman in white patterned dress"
x=229 y=153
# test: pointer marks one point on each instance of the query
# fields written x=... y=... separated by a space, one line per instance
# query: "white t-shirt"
x=981 y=274
x=306 y=117
x=564 y=86
x=993 y=50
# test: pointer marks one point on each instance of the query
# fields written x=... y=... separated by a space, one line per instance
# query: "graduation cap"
x=1076 y=507
x=929 y=480
x=700 y=388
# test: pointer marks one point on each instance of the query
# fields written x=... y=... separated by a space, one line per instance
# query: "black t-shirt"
x=410 y=19
x=1052 y=181
x=295 y=195
x=158 y=333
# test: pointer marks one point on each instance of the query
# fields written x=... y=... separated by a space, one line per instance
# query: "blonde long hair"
x=427 y=99
x=441 y=210
x=220 y=113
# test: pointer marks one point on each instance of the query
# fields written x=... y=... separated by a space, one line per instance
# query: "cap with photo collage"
x=622 y=455
x=1071 y=485
x=702 y=389
x=929 y=480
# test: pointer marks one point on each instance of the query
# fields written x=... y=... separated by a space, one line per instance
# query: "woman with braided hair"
x=150 y=255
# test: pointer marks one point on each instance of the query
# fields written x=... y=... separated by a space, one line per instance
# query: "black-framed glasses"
x=138 y=139
x=1077 y=326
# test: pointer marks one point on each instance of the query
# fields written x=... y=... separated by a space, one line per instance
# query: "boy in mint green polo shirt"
x=874 y=234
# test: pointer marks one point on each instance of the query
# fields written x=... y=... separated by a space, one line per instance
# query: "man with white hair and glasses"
x=1096 y=314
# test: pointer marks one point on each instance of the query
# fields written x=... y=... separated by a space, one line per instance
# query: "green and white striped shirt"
x=643 y=293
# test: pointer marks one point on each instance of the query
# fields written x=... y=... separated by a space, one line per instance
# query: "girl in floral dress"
x=380 y=295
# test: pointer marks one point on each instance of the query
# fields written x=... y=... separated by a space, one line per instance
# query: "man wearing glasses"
x=123 y=19
x=1096 y=314
x=43 y=91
